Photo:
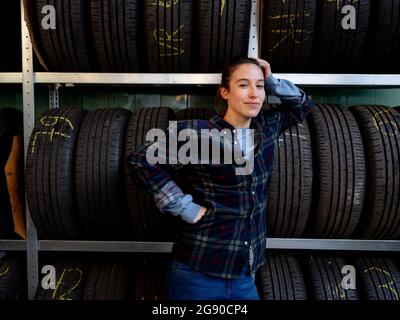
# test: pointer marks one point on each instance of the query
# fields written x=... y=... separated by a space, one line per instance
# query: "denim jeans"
x=184 y=283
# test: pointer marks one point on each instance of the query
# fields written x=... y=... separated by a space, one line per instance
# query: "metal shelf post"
x=29 y=122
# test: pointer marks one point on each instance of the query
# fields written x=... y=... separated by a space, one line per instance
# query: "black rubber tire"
x=11 y=124
x=339 y=168
x=383 y=47
x=107 y=281
x=223 y=28
x=378 y=278
x=115 y=34
x=98 y=174
x=149 y=279
x=68 y=46
x=176 y=20
x=287 y=44
x=49 y=173
x=325 y=274
x=11 y=275
x=148 y=223
x=71 y=276
x=380 y=128
x=195 y=113
x=280 y=278
x=337 y=49
x=290 y=189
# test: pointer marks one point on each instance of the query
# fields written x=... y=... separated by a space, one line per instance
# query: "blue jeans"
x=184 y=283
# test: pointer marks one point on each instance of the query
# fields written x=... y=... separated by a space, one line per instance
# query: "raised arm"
x=296 y=104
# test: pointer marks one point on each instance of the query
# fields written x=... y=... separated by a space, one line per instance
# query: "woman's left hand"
x=265 y=67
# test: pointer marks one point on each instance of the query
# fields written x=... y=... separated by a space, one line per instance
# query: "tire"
x=325 y=274
x=11 y=275
x=115 y=28
x=383 y=47
x=339 y=171
x=195 y=113
x=98 y=174
x=380 y=128
x=149 y=279
x=67 y=47
x=148 y=223
x=49 y=173
x=174 y=19
x=290 y=189
x=107 y=281
x=11 y=125
x=71 y=276
x=280 y=278
x=337 y=49
x=223 y=28
x=288 y=53
x=378 y=278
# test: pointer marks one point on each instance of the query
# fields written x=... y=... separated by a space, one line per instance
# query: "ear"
x=224 y=93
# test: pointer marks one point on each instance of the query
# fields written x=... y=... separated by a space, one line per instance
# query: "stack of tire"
x=331 y=36
x=285 y=276
x=328 y=277
x=328 y=156
x=106 y=278
x=133 y=35
x=158 y=36
x=78 y=185
x=319 y=186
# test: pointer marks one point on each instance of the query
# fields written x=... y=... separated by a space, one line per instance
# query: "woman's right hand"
x=200 y=215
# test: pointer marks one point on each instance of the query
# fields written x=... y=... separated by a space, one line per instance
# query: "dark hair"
x=230 y=68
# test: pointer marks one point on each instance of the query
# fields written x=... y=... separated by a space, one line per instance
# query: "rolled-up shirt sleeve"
x=296 y=104
x=156 y=179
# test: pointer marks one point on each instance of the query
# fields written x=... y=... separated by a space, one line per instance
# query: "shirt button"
x=253 y=193
x=224 y=132
x=246 y=243
x=233 y=130
x=235 y=142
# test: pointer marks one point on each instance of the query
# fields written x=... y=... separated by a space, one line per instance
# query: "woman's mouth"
x=254 y=105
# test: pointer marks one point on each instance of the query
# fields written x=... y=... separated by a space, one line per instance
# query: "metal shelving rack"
x=28 y=79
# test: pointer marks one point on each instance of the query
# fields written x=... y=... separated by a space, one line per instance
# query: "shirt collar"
x=220 y=123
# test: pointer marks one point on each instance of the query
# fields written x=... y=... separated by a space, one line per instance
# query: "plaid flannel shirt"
x=232 y=233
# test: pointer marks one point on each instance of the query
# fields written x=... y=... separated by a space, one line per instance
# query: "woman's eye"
x=242 y=85
x=260 y=86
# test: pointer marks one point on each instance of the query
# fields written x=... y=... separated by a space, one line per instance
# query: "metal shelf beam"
x=129 y=78
x=272 y=243
x=12 y=245
x=306 y=79
x=10 y=77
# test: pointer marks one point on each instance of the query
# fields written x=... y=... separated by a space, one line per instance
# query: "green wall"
x=133 y=97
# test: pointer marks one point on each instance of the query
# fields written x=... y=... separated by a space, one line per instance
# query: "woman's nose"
x=253 y=92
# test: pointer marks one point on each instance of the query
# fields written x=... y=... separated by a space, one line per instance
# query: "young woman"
x=222 y=241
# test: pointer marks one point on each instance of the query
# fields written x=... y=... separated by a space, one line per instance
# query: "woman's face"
x=246 y=93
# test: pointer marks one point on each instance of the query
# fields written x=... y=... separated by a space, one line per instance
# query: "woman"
x=222 y=242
